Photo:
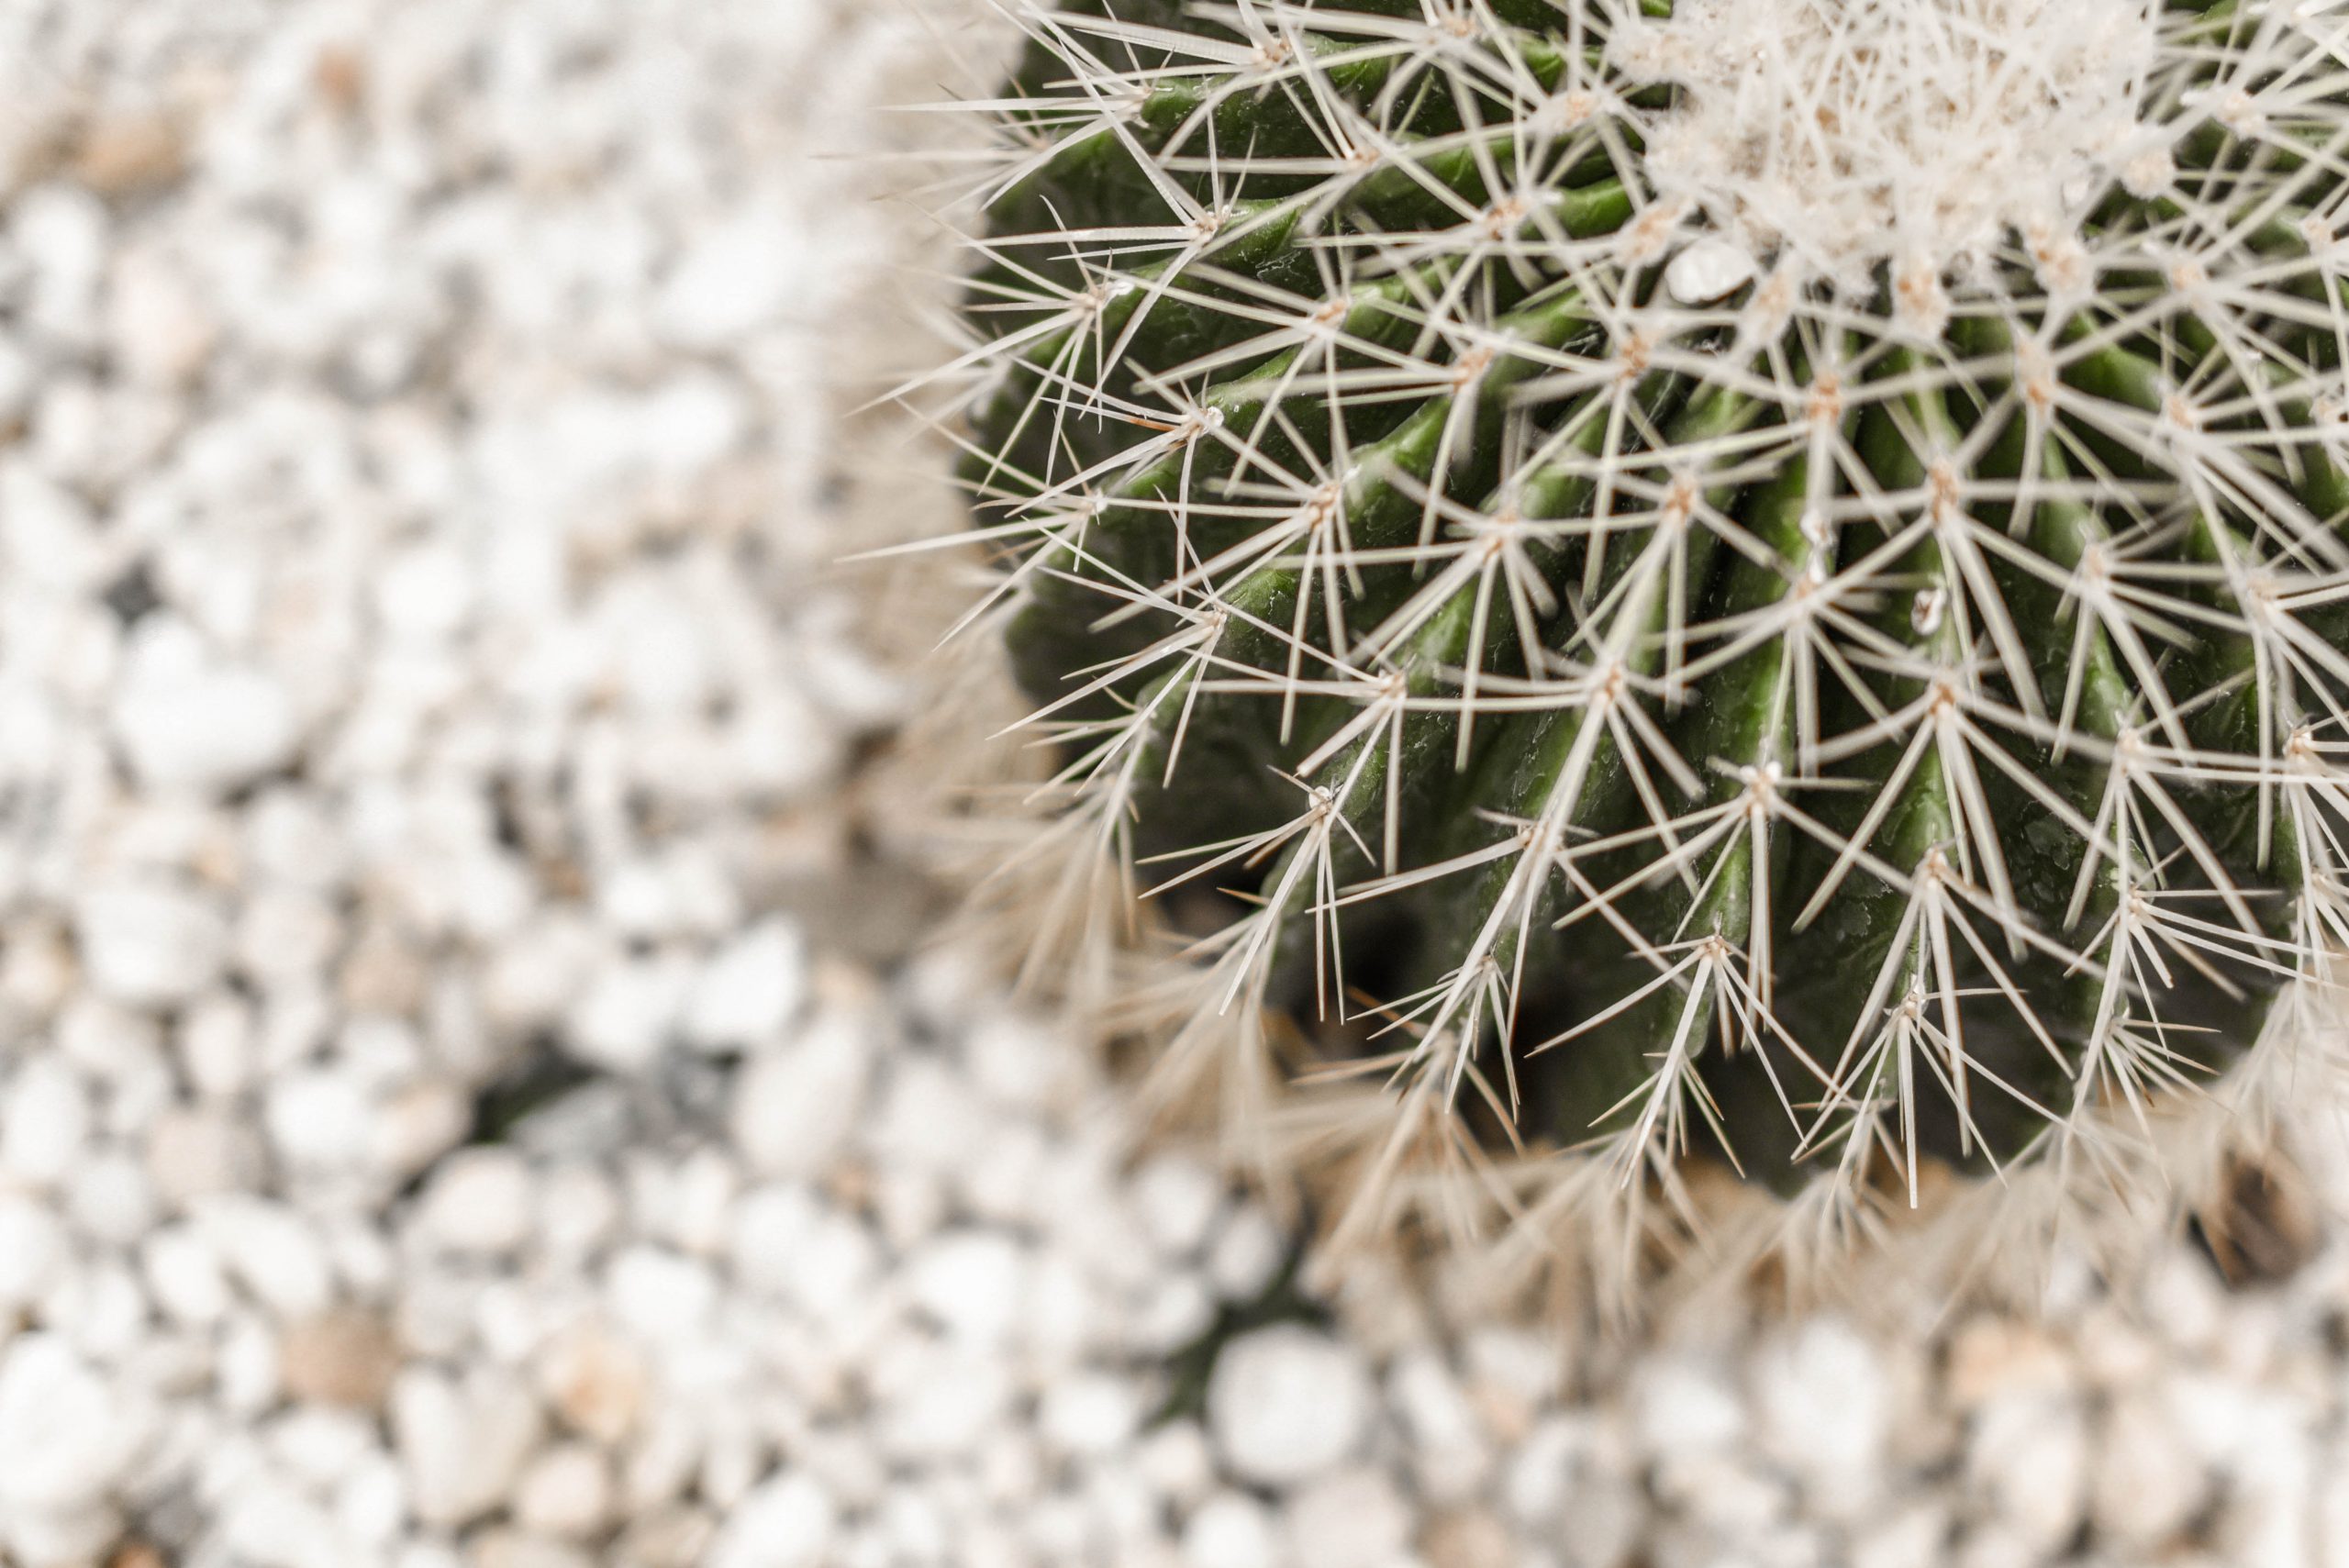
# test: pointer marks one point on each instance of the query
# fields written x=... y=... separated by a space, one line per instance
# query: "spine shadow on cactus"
x=1828 y=725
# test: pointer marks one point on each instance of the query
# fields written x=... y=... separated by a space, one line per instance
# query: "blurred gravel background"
x=475 y=1088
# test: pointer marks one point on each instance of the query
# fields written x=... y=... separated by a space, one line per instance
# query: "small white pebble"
x=2147 y=1483
x=1449 y=1452
x=1091 y=1414
x=319 y=1445
x=274 y=1525
x=33 y=1251
x=45 y=1118
x=216 y=1045
x=737 y=275
x=971 y=1283
x=1177 y=1461
x=275 y=1252
x=789 y=1522
x=371 y=1505
x=186 y=722
x=65 y=1437
x=1019 y=1061
x=1178 y=1200
x=1175 y=1312
x=149 y=944
x=1681 y=1404
x=1823 y=1409
x=1916 y=1536
x=796 y=1104
x=461 y=1449
x=2028 y=1455
x=110 y=1198
x=579 y=1210
x=660 y=1295
x=185 y=1275
x=625 y=1019
x=196 y=1154
x=319 y=1119
x=565 y=1493
x=1231 y=1530
x=247 y=1372
x=749 y=990
x=831 y=1277
x=414 y=1124
x=948 y=1407
x=1286 y=1404
x=480 y=1202
x=1246 y=1254
x=1352 y=1520
x=594 y=1380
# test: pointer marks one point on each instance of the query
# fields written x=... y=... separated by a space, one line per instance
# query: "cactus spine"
x=1761 y=581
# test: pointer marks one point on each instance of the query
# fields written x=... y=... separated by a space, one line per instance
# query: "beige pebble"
x=1468 y=1537
x=595 y=1381
x=381 y=974
x=342 y=1357
x=130 y=154
x=340 y=77
x=1999 y=1355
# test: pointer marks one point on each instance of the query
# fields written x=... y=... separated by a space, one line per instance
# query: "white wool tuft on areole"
x=1840 y=135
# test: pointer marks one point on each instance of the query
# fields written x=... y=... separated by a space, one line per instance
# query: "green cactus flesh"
x=1824 y=702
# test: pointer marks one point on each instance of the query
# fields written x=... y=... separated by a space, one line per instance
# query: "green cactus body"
x=1772 y=582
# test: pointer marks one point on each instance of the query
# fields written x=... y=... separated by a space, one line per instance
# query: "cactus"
x=1753 y=583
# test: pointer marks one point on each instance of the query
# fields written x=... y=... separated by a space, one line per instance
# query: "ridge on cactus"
x=1761 y=582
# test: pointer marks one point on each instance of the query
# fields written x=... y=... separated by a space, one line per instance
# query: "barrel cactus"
x=1745 y=585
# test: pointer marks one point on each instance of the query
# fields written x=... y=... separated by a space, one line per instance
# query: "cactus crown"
x=1763 y=579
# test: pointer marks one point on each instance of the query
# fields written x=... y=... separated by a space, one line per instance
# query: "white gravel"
x=465 y=1102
